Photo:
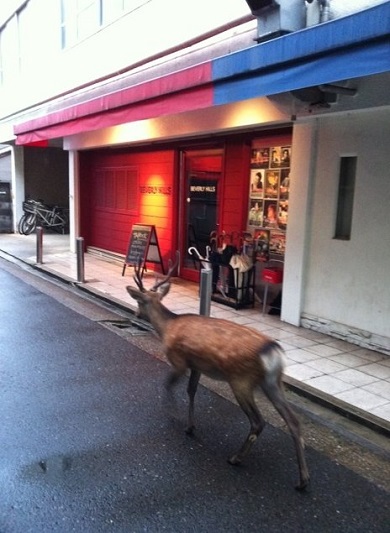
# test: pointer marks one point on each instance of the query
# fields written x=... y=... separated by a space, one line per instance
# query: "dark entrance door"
x=5 y=208
x=201 y=183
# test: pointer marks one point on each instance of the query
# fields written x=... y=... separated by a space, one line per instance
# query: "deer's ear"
x=135 y=293
x=163 y=290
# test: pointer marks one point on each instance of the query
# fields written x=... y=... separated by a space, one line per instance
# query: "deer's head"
x=149 y=299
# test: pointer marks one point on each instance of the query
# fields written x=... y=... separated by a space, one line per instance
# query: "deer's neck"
x=159 y=317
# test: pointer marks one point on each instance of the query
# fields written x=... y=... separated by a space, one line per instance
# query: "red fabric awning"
x=182 y=91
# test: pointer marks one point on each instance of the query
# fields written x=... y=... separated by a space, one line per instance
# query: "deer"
x=221 y=350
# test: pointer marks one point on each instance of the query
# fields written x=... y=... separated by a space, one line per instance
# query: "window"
x=10 y=61
x=114 y=9
x=117 y=189
x=345 y=198
x=79 y=19
x=1 y=63
x=88 y=18
x=26 y=37
x=82 y=18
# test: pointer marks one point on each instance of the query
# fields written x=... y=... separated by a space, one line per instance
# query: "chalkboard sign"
x=143 y=248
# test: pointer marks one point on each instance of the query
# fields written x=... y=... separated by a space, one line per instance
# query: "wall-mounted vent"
x=277 y=17
x=322 y=95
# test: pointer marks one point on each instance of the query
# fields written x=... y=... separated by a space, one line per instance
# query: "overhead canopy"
x=354 y=46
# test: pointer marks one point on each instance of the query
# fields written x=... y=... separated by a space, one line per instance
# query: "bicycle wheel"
x=25 y=222
x=20 y=223
x=28 y=223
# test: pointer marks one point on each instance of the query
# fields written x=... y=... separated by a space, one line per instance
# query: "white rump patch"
x=273 y=360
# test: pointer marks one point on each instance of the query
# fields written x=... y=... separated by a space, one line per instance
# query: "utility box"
x=277 y=17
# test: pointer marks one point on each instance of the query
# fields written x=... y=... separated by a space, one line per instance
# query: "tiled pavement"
x=351 y=378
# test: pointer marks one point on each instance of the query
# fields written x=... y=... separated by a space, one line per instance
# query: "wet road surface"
x=89 y=444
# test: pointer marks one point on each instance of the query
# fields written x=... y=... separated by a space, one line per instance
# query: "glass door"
x=200 y=184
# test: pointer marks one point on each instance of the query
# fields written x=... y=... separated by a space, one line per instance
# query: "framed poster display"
x=260 y=158
x=257 y=183
x=262 y=239
x=277 y=243
x=255 y=215
x=269 y=193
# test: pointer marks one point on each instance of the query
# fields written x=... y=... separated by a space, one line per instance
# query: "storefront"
x=199 y=196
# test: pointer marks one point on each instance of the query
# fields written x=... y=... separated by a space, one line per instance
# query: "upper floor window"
x=82 y=18
x=79 y=19
x=9 y=51
x=1 y=63
x=113 y=9
x=88 y=18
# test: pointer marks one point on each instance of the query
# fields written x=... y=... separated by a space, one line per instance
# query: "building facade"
x=259 y=118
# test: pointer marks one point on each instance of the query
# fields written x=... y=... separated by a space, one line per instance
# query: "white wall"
x=347 y=282
x=304 y=145
x=18 y=195
x=341 y=8
x=47 y=70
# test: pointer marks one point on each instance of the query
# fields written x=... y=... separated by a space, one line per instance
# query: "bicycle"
x=36 y=213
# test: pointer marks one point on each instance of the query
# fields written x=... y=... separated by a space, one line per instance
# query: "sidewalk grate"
x=133 y=326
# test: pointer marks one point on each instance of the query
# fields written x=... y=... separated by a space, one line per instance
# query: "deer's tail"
x=272 y=359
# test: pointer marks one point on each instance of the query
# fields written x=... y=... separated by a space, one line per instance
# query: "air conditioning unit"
x=277 y=17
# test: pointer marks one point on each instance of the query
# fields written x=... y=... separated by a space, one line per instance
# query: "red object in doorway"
x=272 y=275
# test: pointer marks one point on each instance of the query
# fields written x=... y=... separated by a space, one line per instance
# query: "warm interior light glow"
x=248 y=113
x=155 y=199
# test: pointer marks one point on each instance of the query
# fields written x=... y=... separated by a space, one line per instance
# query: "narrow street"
x=89 y=443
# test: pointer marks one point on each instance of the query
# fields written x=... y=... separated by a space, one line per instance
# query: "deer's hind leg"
x=272 y=387
x=244 y=396
x=191 y=390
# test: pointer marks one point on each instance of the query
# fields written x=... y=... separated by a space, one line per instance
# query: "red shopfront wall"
x=119 y=189
x=235 y=186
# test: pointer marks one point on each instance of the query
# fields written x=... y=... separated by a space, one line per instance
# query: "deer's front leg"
x=191 y=390
x=170 y=382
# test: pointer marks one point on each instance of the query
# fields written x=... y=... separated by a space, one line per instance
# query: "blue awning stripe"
x=363 y=27
x=338 y=66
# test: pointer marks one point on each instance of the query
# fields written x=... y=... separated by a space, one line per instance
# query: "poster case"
x=269 y=194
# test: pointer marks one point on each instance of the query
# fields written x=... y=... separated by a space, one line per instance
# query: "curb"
x=339 y=406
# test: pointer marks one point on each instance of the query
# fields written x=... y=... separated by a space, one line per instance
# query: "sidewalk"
x=353 y=380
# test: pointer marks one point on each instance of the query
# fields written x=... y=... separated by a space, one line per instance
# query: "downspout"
x=317 y=12
x=325 y=11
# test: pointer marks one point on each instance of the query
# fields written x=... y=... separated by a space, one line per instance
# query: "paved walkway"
x=353 y=379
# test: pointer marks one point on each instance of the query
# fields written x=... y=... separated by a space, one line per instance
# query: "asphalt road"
x=89 y=444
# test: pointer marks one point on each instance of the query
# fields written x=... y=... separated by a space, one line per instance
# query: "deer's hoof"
x=234 y=460
x=190 y=430
x=303 y=485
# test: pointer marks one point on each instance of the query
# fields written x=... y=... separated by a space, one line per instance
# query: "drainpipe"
x=317 y=11
x=325 y=11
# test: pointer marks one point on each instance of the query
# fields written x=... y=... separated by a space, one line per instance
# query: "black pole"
x=80 y=259
x=39 y=232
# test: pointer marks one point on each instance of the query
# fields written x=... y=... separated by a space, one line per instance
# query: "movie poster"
x=268 y=197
